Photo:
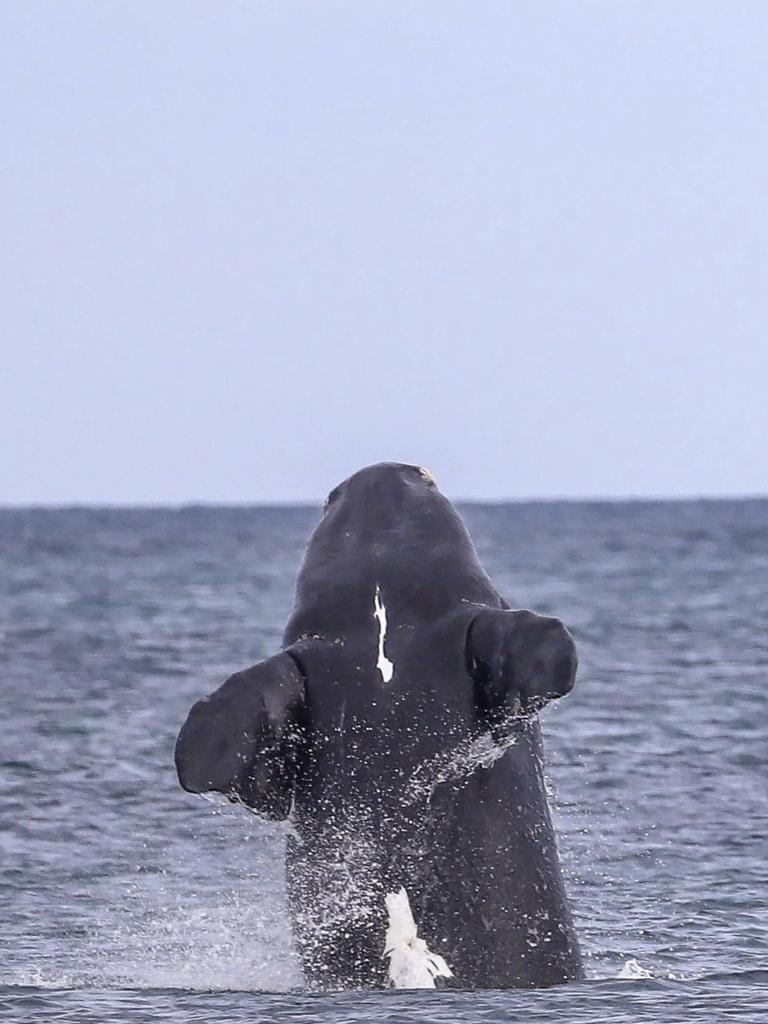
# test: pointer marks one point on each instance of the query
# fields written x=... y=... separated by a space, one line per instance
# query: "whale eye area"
x=331 y=498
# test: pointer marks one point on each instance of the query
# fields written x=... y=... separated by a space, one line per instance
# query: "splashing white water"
x=213 y=914
x=632 y=971
x=411 y=963
x=456 y=763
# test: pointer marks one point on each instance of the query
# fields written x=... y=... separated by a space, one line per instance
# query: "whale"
x=397 y=732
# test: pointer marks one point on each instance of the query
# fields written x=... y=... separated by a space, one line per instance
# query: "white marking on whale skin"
x=383 y=664
x=411 y=963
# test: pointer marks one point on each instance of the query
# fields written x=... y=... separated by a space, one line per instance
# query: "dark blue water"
x=123 y=897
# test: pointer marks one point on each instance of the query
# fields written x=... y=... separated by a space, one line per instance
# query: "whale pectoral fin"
x=519 y=660
x=244 y=740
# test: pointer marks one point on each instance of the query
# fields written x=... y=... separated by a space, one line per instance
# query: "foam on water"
x=632 y=971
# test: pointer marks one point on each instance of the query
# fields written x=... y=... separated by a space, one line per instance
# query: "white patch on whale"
x=411 y=963
x=383 y=664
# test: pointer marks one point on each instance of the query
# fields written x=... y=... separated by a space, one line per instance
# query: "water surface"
x=120 y=895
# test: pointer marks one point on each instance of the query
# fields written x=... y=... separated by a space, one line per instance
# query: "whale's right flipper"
x=245 y=739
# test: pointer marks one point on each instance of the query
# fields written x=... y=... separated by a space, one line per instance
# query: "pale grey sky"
x=248 y=247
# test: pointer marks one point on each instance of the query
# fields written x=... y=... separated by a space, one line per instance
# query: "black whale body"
x=408 y=754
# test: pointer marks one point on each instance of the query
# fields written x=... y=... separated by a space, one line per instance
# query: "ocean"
x=122 y=897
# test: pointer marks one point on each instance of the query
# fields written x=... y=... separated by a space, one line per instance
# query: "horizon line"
x=308 y=503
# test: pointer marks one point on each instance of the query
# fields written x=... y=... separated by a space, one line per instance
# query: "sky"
x=249 y=247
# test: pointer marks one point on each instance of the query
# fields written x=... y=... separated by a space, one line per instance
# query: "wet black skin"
x=377 y=775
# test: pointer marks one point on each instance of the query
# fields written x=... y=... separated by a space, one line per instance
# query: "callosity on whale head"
x=398 y=727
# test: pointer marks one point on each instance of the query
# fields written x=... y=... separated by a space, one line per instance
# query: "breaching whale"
x=398 y=728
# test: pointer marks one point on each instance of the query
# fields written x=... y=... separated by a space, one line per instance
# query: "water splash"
x=456 y=764
x=632 y=971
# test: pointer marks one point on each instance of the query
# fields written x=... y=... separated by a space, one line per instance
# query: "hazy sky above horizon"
x=249 y=247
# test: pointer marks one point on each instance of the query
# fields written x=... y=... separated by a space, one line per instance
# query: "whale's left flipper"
x=519 y=660
x=244 y=740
